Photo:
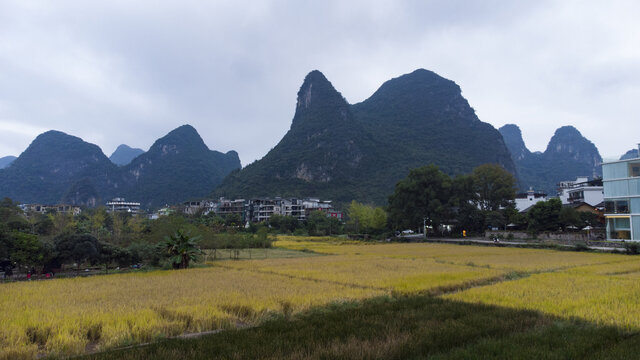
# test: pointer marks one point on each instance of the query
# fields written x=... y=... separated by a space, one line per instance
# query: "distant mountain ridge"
x=631 y=154
x=342 y=152
x=6 y=161
x=568 y=155
x=177 y=167
x=50 y=166
x=57 y=167
x=124 y=154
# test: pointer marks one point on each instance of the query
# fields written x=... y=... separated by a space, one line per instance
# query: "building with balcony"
x=121 y=205
x=224 y=207
x=44 y=209
x=193 y=207
x=262 y=209
x=621 y=180
x=581 y=190
x=293 y=207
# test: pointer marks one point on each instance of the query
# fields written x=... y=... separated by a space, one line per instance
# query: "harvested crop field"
x=71 y=316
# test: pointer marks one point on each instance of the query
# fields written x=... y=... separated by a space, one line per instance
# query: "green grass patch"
x=404 y=327
x=255 y=254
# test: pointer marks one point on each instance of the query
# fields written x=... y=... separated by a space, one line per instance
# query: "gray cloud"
x=128 y=72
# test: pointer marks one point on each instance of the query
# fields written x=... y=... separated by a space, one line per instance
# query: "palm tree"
x=181 y=248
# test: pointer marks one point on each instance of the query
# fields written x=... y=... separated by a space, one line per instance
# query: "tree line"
x=47 y=242
x=427 y=196
x=474 y=203
x=43 y=243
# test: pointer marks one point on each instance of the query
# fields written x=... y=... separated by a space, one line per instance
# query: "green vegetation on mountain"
x=82 y=192
x=57 y=167
x=177 y=167
x=49 y=167
x=631 y=154
x=124 y=154
x=344 y=152
x=568 y=155
x=422 y=118
x=321 y=155
x=6 y=161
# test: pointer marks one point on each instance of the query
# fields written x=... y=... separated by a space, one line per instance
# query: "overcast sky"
x=115 y=72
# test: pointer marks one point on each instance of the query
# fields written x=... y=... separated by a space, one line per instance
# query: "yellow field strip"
x=506 y=258
x=57 y=316
x=375 y=272
x=601 y=299
x=601 y=288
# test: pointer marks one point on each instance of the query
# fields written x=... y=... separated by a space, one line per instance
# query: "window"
x=576 y=195
x=634 y=169
x=622 y=223
x=610 y=207
x=634 y=186
x=622 y=207
x=615 y=171
x=619 y=228
x=616 y=188
x=616 y=206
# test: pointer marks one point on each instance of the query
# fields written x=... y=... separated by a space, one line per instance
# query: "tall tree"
x=78 y=248
x=378 y=219
x=366 y=219
x=494 y=186
x=318 y=223
x=426 y=193
x=545 y=215
x=569 y=216
x=357 y=213
x=469 y=217
x=12 y=217
x=27 y=250
x=98 y=223
x=63 y=223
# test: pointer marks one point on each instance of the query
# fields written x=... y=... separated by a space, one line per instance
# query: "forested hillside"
x=343 y=152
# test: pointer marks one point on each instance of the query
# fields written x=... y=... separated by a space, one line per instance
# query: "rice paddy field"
x=476 y=284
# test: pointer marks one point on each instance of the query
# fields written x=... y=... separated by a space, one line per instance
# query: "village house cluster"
x=43 y=209
x=261 y=209
x=579 y=193
x=616 y=197
x=252 y=210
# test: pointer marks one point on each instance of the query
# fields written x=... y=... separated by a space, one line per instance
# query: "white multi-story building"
x=621 y=180
x=261 y=209
x=43 y=209
x=121 y=205
x=581 y=190
x=310 y=205
x=316 y=204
